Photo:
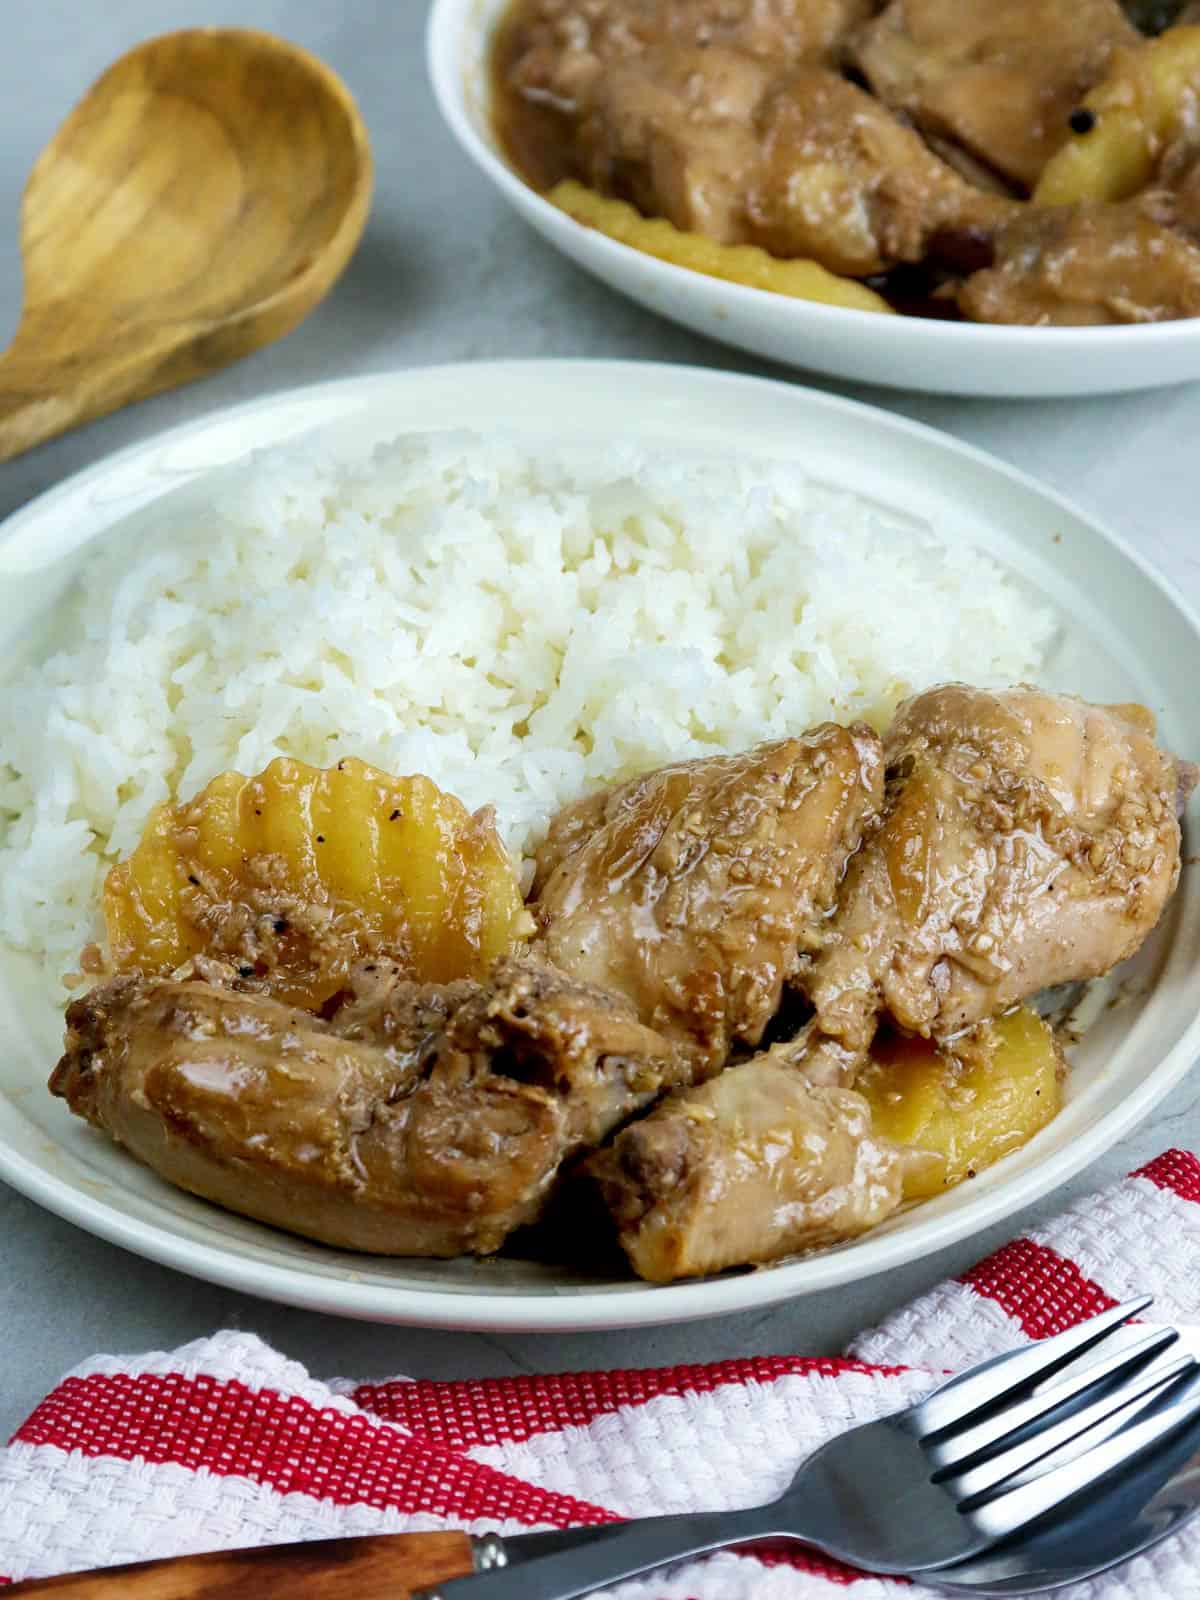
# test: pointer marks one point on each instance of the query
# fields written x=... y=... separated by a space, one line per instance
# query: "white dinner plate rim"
x=579 y=1309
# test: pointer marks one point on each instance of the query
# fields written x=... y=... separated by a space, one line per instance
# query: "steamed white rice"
x=522 y=621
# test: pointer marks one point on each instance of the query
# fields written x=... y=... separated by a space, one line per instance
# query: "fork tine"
x=1101 y=1419
x=964 y=1443
x=958 y=1400
x=1005 y=1512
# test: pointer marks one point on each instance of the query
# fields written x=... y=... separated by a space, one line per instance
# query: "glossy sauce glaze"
x=535 y=138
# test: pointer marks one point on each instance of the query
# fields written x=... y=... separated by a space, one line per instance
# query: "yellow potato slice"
x=734 y=263
x=1149 y=97
x=296 y=874
x=968 y=1109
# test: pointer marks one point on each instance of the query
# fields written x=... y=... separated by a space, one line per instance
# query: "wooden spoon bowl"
x=197 y=203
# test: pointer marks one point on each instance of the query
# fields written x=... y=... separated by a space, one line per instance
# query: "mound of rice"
x=522 y=621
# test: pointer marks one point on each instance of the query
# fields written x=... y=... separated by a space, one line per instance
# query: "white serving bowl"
x=900 y=352
x=1124 y=636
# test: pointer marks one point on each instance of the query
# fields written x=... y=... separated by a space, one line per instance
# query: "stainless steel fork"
x=983 y=1456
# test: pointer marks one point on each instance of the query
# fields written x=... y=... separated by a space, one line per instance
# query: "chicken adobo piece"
x=564 y=48
x=1088 y=264
x=842 y=181
x=905 y=144
x=996 y=82
x=685 y=1019
x=696 y=890
x=419 y=1120
x=754 y=1165
x=1026 y=840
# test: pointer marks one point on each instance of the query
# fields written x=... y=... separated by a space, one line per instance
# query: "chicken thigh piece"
x=1089 y=265
x=840 y=180
x=755 y=1164
x=997 y=80
x=671 y=129
x=565 y=49
x=695 y=889
x=1028 y=839
x=434 y=1128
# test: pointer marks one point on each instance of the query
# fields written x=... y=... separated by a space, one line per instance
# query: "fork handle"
x=622 y=1552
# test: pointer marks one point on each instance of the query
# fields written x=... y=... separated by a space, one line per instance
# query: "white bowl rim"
x=444 y=19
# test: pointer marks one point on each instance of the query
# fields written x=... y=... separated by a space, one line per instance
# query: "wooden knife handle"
x=381 y=1567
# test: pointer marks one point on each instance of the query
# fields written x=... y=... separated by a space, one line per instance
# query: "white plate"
x=1126 y=637
x=901 y=352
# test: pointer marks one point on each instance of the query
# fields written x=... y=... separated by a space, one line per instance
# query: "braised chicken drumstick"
x=755 y=1164
x=427 y=1120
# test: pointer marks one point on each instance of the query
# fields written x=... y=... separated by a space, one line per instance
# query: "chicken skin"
x=433 y=1125
x=842 y=181
x=1089 y=265
x=672 y=129
x=753 y=1165
x=694 y=890
x=1028 y=839
x=997 y=81
x=567 y=48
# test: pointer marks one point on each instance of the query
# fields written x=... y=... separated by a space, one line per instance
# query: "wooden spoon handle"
x=383 y=1567
x=46 y=388
x=35 y=405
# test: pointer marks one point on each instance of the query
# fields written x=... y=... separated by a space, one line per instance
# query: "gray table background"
x=446 y=273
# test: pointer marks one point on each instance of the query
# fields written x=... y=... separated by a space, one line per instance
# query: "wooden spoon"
x=197 y=203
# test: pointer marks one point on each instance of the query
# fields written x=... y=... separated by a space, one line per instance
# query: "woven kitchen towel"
x=226 y=1443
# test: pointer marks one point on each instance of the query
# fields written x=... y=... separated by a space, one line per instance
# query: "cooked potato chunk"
x=1127 y=121
x=967 y=1109
x=298 y=873
x=735 y=263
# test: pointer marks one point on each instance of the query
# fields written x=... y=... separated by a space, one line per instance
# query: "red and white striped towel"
x=226 y=1443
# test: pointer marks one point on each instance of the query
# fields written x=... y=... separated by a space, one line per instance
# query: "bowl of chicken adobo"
x=521 y=879
x=967 y=198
